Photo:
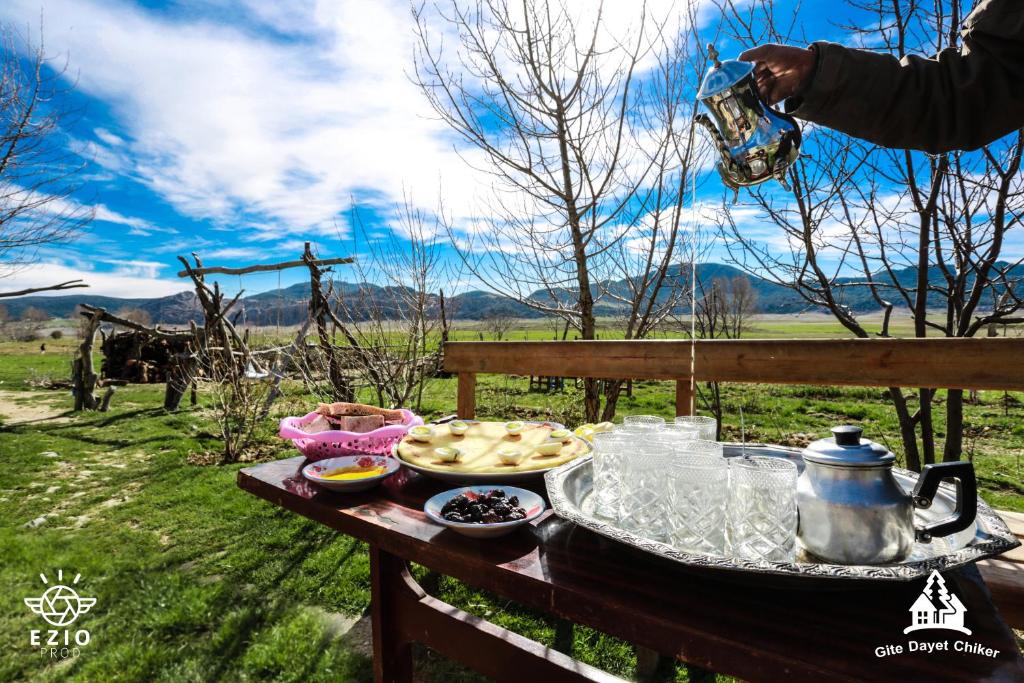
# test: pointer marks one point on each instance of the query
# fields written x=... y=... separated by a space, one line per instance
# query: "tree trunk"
x=612 y=391
x=954 y=425
x=925 y=421
x=907 y=432
x=85 y=378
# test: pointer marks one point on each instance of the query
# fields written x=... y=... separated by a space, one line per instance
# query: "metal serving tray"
x=569 y=489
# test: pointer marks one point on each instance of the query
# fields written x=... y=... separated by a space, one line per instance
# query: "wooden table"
x=754 y=631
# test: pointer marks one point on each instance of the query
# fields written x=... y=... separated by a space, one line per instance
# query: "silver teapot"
x=755 y=141
x=853 y=511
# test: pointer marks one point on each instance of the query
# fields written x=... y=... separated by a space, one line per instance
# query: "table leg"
x=392 y=652
x=403 y=614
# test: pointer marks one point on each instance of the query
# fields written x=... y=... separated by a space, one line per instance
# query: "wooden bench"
x=970 y=364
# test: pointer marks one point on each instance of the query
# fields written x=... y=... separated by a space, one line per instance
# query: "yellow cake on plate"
x=485 y=447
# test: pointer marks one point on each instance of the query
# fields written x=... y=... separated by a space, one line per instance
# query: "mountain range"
x=287 y=306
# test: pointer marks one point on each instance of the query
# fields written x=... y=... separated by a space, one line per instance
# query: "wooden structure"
x=85 y=380
x=991 y=363
x=222 y=339
x=756 y=632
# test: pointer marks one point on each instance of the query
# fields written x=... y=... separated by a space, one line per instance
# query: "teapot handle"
x=966 y=497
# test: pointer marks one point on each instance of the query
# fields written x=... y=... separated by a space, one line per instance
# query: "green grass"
x=196 y=580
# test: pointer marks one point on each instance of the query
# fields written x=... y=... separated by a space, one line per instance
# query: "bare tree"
x=892 y=229
x=589 y=148
x=30 y=322
x=135 y=315
x=498 y=322
x=722 y=311
x=34 y=315
x=393 y=320
x=38 y=176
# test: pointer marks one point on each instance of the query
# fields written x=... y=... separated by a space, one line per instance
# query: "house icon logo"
x=937 y=608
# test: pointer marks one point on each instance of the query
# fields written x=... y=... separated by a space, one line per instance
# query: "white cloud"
x=108 y=137
x=136 y=279
x=233 y=253
x=138 y=226
x=228 y=125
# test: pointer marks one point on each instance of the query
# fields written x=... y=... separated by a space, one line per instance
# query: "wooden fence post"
x=684 y=396
x=466 y=400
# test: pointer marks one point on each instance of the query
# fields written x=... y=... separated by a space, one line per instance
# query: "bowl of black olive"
x=484 y=511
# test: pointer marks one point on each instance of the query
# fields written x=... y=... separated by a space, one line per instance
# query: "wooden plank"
x=975 y=363
x=466 y=397
x=498 y=653
x=684 y=397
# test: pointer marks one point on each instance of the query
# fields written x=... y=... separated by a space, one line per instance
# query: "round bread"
x=480 y=445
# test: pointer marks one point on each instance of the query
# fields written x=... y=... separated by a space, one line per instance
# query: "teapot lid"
x=723 y=75
x=846 y=448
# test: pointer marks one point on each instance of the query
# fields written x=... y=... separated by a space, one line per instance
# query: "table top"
x=754 y=631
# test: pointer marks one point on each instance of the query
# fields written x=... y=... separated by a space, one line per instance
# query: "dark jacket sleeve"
x=960 y=99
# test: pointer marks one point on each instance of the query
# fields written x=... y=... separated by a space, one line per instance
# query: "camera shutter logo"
x=937 y=608
x=60 y=605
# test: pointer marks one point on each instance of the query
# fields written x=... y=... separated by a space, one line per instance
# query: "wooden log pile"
x=85 y=380
x=139 y=357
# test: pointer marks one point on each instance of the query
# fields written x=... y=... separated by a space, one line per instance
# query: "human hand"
x=780 y=71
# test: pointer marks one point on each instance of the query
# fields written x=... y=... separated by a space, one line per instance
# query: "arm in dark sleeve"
x=960 y=99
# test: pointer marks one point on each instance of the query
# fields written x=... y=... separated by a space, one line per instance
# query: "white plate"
x=313 y=470
x=476 y=479
x=528 y=500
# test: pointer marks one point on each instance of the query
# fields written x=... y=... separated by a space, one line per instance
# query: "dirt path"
x=21 y=407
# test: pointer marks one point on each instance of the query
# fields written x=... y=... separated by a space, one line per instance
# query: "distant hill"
x=287 y=306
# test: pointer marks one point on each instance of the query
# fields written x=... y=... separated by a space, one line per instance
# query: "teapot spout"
x=716 y=136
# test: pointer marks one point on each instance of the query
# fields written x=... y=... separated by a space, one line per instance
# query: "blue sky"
x=239 y=129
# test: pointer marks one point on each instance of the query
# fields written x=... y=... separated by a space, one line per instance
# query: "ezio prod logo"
x=59 y=605
x=936 y=609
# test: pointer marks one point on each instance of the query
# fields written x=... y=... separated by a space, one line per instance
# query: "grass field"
x=196 y=580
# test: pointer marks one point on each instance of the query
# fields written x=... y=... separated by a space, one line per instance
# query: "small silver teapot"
x=853 y=511
x=755 y=141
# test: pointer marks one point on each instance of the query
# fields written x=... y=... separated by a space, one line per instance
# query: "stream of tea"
x=694 y=242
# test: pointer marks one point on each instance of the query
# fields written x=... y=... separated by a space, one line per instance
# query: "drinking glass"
x=645 y=505
x=705 y=425
x=681 y=431
x=701 y=446
x=642 y=422
x=611 y=450
x=762 y=515
x=699 y=489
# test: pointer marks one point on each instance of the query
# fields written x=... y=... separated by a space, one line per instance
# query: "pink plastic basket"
x=333 y=443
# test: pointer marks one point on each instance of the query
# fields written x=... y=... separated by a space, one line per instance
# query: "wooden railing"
x=983 y=363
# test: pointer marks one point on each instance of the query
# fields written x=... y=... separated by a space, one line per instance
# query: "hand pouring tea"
x=852 y=510
x=755 y=141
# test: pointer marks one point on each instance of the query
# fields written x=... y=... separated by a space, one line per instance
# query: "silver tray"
x=569 y=488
